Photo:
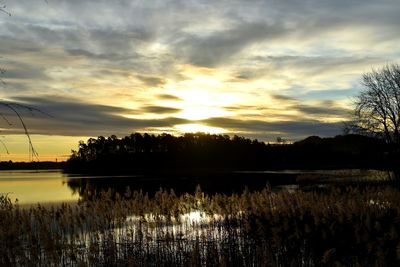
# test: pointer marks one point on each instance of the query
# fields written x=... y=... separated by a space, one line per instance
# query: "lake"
x=52 y=186
x=36 y=186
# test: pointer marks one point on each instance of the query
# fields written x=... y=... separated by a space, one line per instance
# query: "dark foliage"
x=151 y=152
x=201 y=151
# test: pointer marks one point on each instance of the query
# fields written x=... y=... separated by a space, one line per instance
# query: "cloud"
x=332 y=94
x=221 y=46
x=72 y=117
x=291 y=129
x=320 y=108
x=93 y=56
x=284 y=98
x=168 y=97
x=160 y=109
x=326 y=108
x=151 y=80
x=20 y=71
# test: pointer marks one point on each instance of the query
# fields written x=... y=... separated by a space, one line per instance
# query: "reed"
x=339 y=227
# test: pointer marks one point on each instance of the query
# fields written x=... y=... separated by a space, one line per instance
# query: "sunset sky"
x=259 y=69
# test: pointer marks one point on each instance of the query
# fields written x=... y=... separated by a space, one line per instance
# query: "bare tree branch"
x=377 y=107
x=12 y=106
x=5 y=147
x=4 y=10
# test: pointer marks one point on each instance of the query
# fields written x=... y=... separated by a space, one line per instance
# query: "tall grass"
x=341 y=227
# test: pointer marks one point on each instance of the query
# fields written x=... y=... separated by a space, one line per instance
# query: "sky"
x=259 y=69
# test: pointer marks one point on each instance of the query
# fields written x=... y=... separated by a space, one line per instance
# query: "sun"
x=203 y=93
x=203 y=104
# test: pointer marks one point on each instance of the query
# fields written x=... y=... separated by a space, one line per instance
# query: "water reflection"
x=215 y=182
x=36 y=186
x=224 y=182
x=55 y=186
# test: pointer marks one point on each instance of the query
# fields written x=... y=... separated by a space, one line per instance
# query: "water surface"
x=52 y=186
x=36 y=186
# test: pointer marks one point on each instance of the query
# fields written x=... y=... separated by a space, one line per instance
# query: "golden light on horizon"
x=49 y=147
x=196 y=127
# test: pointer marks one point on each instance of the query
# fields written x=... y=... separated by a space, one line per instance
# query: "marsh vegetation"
x=350 y=226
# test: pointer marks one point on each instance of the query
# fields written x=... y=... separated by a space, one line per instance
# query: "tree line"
x=149 y=151
x=210 y=151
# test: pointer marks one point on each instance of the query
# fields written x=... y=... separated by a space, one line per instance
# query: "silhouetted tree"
x=378 y=105
x=377 y=109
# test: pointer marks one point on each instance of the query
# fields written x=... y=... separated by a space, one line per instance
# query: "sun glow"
x=203 y=93
x=203 y=104
x=200 y=113
x=194 y=128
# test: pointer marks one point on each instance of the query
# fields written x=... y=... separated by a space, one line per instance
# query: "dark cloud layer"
x=64 y=116
x=291 y=129
x=168 y=97
x=151 y=81
x=71 y=117
x=321 y=108
x=160 y=109
x=325 y=109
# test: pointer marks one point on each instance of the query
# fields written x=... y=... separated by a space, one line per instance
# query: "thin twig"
x=3 y=9
x=5 y=147
x=2 y=71
x=31 y=109
x=31 y=147
x=5 y=119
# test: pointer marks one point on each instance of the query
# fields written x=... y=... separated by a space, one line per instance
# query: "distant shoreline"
x=41 y=165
